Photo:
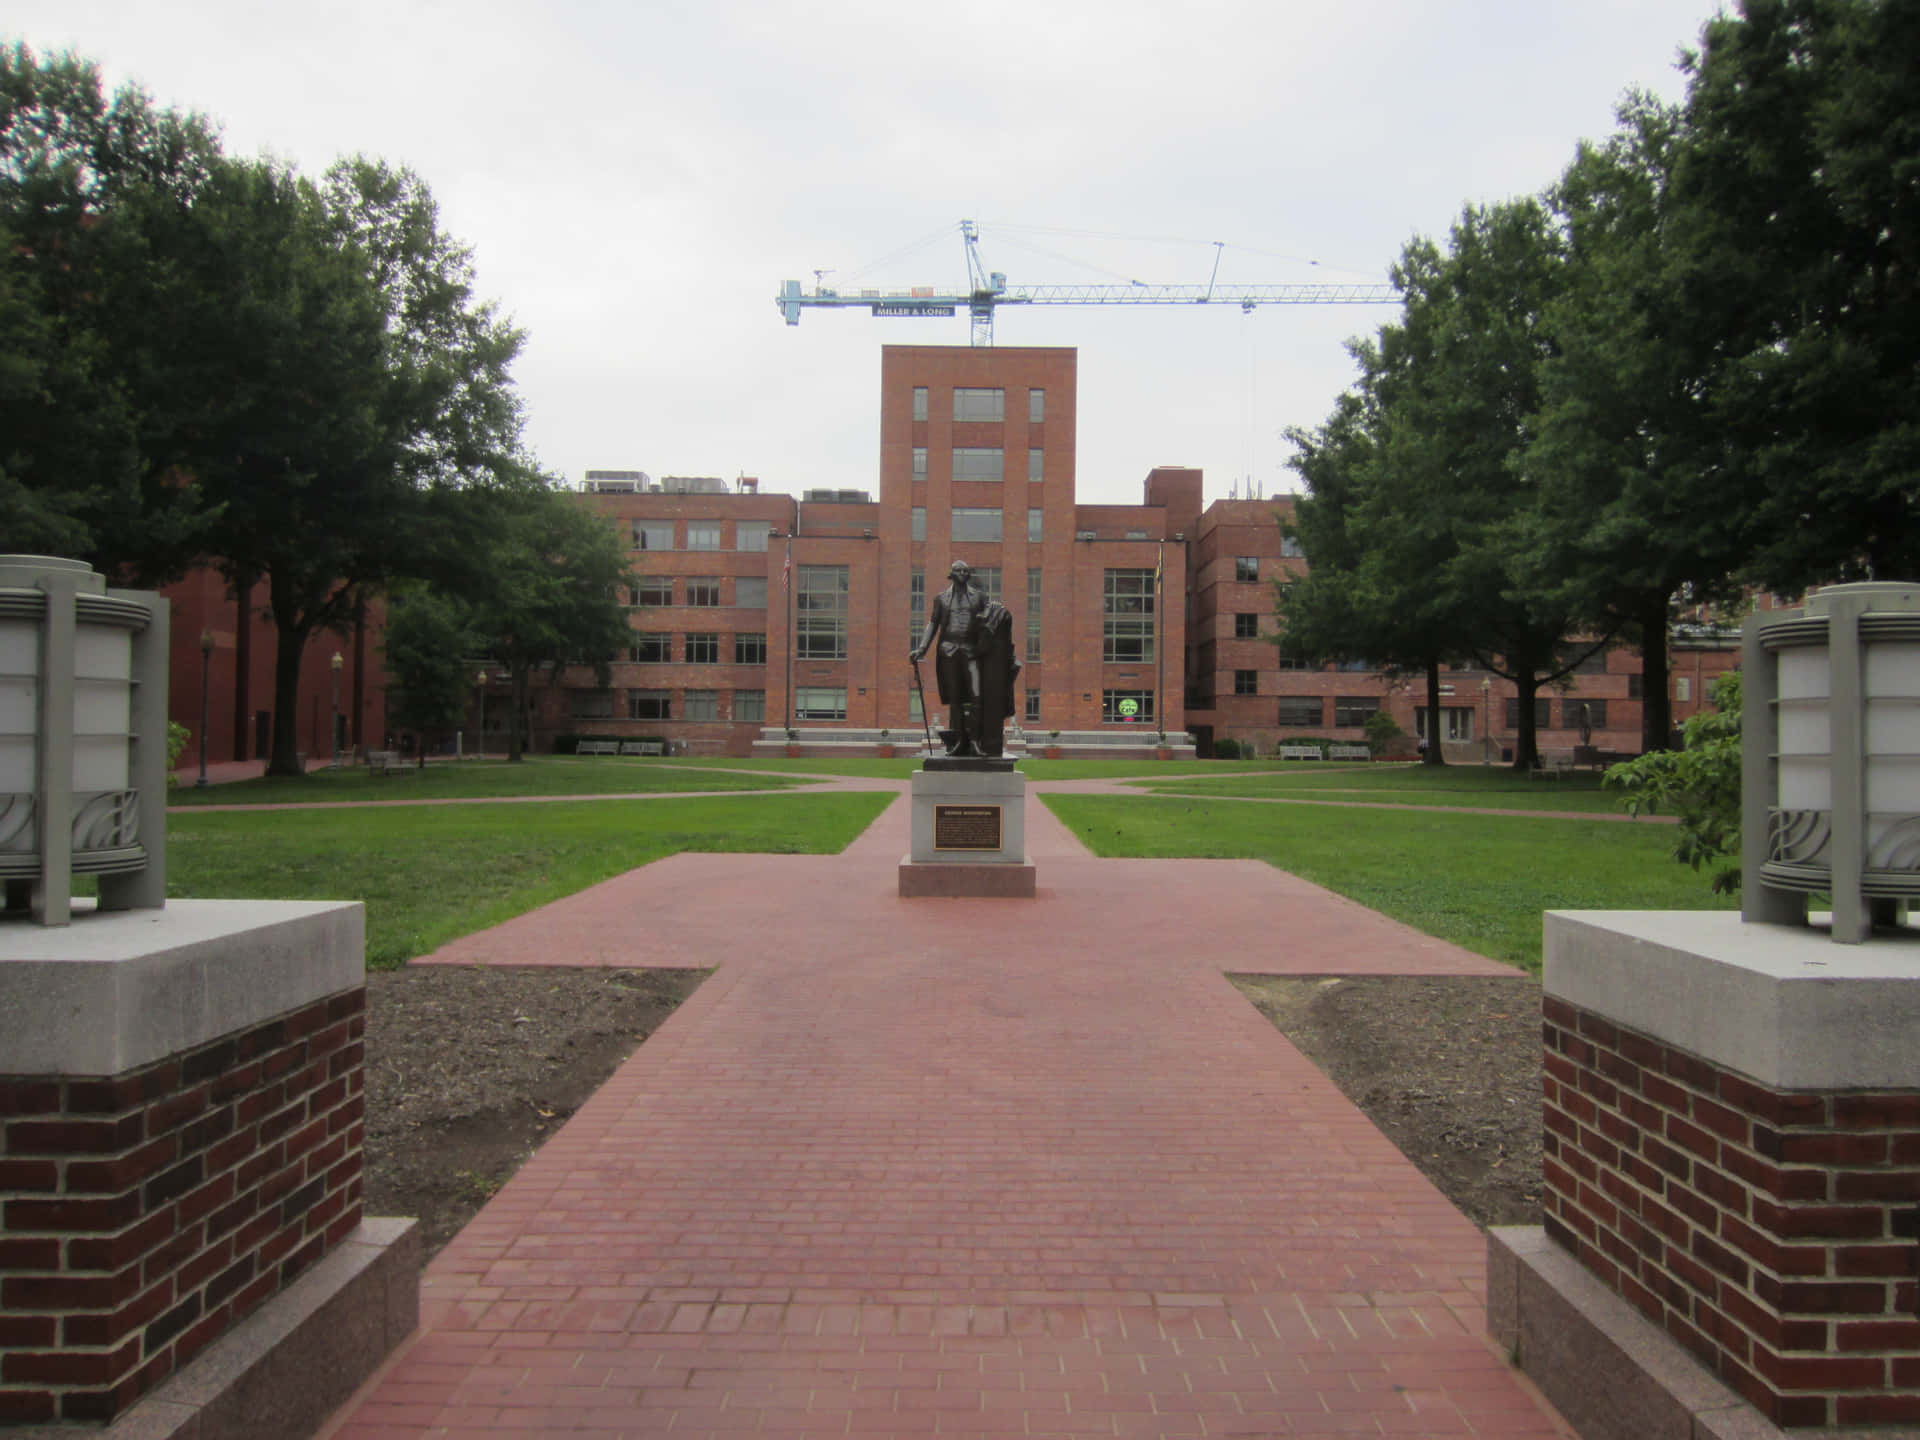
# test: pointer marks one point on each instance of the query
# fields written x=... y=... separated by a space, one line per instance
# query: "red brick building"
x=762 y=612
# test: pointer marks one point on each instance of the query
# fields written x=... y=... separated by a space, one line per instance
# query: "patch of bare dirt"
x=1448 y=1067
x=470 y=1069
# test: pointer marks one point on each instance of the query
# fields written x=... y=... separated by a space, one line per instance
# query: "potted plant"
x=793 y=743
x=886 y=743
x=1052 y=750
x=1161 y=749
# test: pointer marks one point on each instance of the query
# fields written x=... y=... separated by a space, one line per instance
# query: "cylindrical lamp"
x=83 y=722
x=1830 y=756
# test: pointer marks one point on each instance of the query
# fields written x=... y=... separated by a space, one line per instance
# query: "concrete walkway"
x=959 y=1168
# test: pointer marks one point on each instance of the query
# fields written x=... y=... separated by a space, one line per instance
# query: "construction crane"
x=989 y=290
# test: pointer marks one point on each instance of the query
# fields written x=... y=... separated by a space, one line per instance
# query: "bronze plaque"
x=966 y=827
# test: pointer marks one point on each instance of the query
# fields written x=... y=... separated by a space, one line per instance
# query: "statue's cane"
x=922 y=691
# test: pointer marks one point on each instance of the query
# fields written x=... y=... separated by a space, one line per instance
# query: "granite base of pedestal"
x=969 y=834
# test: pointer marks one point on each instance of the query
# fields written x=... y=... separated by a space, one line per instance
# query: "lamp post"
x=1486 y=727
x=480 y=739
x=333 y=713
x=206 y=661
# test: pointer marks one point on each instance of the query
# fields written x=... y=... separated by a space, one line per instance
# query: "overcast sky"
x=637 y=179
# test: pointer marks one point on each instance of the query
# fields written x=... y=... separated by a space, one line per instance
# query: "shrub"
x=1226 y=750
x=1700 y=784
x=1381 y=728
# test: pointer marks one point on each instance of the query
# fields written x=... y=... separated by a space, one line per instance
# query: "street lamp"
x=333 y=715
x=1486 y=715
x=480 y=740
x=206 y=660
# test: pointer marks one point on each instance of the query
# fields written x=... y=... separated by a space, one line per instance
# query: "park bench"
x=1349 y=752
x=1551 y=767
x=385 y=762
x=642 y=747
x=597 y=747
x=1299 y=752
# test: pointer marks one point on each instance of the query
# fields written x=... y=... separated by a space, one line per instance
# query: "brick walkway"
x=879 y=1178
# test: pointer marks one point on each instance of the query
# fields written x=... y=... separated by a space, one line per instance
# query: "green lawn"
x=478 y=779
x=1478 y=881
x=1032 y=767
x=1408 y=785
x=430 y=874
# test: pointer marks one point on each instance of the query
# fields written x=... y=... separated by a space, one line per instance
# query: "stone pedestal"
x=181 y=1171
x=1732 y=1158
x=969 y=831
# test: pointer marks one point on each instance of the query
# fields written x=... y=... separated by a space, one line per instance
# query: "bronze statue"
x=975 y=666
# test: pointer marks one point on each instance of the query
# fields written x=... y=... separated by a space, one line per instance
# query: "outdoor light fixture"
x=206 y=662
x=1830 y=758
x=83 y=743
x=333 y=714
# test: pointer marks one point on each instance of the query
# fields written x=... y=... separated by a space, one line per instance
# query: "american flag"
x=786 y=569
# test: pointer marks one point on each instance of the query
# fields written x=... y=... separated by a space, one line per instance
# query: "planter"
x=793 y=752
x=885 y=751
x=1051 y=752
x=1163 y=752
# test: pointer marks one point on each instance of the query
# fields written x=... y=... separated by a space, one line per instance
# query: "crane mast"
x=988 y=291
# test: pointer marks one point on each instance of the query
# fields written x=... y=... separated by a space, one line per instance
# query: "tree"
x=75 y=271
x=1700 y=784
x=427 y=645
x=545 y=591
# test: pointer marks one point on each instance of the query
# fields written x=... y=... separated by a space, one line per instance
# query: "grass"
x=476 y=779
x=430 y=874
x=1032 y=767
x=1477 y=881
x=1408 y=785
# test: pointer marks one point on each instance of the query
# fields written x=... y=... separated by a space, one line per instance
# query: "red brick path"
x=877 y=1177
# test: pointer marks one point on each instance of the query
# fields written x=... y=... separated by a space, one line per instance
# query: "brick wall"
x=1772 y=1233
x=143 y=1214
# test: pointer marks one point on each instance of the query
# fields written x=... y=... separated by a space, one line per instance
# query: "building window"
x=654 y=590
x=986 y=579
x=647 y=536
x=1456 y=722
x=750 y=705
x=916 y=606
x=1540 y=717
x=652 y=648
x=1031 y=715
x=1636 y=686
x=1128 y=614
x=703 y=649
x=919 y=462
x=751 y=535
x=978 y=462
x=749 y=649
x=1136 y=534
x=703 y=535
x=1036 y=466
x=1295 y=662
x=1683 y=688
x=1033 y=525
x=750 y=592
x=1033 y=616
x=1036 y=406
x=700 y=705
x=1246 y=569
x=1246 y=682
x=1351 y=710
x=1593 y=664
x=979 y=405
x=919 y=402
x=820 y=619
x=1126 y=707
x=1570 y=714
x=819 y=702
x=1301 y=711
x=976 y=524
x=703 y=590
x=590 y=704
x=1246 y=626
x=1290 y=547
x=648 y=705
x=919 y=522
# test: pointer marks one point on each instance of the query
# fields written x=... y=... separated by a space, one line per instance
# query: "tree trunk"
x=290 y=644
x=1526 y=737
x=1431 y=755
x=1656 y=708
